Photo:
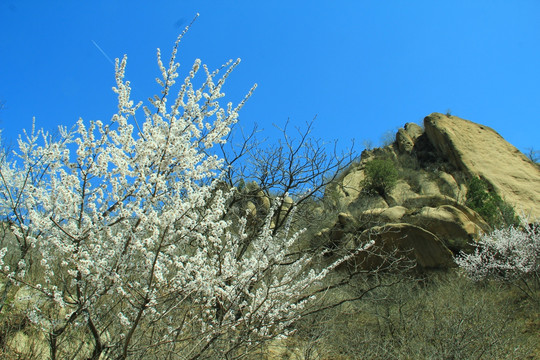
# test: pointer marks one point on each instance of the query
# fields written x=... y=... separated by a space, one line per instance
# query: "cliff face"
x=434 y=167
x=478 y=150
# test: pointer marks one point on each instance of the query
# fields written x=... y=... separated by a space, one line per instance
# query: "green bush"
x=489 y=205
x=381 y=177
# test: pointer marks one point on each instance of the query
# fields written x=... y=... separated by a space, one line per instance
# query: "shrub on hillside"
x=381 y=177
x=489 y=205
x=441 y=317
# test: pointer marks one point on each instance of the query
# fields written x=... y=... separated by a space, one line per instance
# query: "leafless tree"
x=533 y=155
x=296 y=167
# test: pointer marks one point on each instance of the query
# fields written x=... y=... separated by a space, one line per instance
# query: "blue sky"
x=361 y=67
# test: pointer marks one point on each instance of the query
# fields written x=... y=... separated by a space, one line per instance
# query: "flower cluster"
x=511 y=254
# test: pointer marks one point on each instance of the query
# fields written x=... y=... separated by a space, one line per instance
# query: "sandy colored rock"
x=369 y=202
x=449 y=186
x=404 y=142
x=473 y=216
x=454 y=227
x=401 y=192
x=349 y=188
x=394 y=213
x=414 y=130
x=407 y=240
x=264 y=201
x=406 y=137
x=480 y=151
x=428 y=186
x=251 y=209
x=391 y=214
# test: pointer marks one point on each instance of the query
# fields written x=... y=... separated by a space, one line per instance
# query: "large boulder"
x=457 y=229
x=406 y=137
x=393 y=241
x=348 y=188
x=480 y=151
x=404 y=142
x=454 y=223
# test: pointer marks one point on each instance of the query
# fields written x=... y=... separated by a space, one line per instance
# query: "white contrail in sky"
x=103 y=52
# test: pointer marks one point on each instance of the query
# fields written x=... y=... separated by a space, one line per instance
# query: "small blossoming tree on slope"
x=121 y=233
x=510 y=254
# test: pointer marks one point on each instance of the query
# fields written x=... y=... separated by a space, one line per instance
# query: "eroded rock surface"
x=480 y=151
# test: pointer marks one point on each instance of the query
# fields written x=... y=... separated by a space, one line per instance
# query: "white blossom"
x=510 y=254
x=129 y=226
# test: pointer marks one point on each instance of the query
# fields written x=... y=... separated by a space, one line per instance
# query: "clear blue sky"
x=363 y=67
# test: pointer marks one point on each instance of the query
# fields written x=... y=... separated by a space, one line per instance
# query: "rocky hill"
x=426 y=211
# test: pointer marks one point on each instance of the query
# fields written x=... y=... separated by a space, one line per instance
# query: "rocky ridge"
x=425 y=212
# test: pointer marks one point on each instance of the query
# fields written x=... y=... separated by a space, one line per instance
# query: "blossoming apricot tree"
x=510 y=254
x=121 y=233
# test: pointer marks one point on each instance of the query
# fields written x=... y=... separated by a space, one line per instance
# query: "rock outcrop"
x=426 y=209
x=480 y=151
x=402 y=240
